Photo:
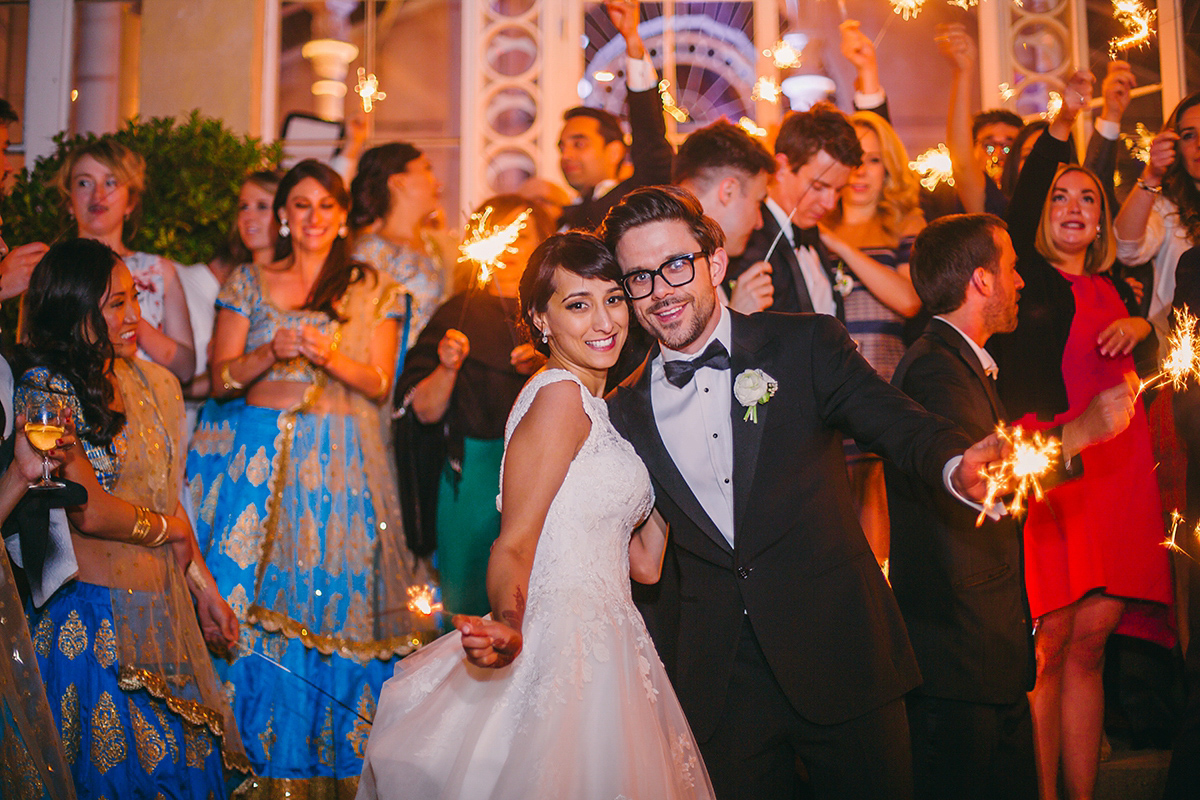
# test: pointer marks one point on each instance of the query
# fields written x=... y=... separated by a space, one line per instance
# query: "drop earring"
x=343 y=232
x=284 y=230
x=545 y=337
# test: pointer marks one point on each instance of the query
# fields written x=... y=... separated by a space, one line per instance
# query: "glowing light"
x=907 y=9
x=604 y=76
x=765 y=88
x=965 y=5
x=1172 y=542
x=367 y=90
x=749 y=126
x=1183 y=360
x=421 y=600
x=668 y=100
x=1137 y=20
x=934 y=166
x=486 y=245
x=783 y=55
x=1006 y=92
x=1053 y=106
x=1020 y=472
x=1139 y=142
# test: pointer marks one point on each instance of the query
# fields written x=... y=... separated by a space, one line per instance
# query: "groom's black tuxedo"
x=801 y=572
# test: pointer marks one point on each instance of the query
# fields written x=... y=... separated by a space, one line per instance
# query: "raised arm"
x=959 y=50
x=535 y=463
x=174 y=346
x=649 y=150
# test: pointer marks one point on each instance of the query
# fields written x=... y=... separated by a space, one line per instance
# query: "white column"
x=1171 y=53
x=48 y=75
x=98 y=68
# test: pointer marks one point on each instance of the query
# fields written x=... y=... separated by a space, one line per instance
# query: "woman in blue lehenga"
x=134 y=696
x=296 y=502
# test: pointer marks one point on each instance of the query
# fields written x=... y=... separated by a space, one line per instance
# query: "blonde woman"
x=871 y=230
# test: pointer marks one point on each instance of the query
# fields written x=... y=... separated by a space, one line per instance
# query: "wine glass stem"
x=45 y=469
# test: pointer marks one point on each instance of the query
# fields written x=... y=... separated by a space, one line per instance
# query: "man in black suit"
x=815 y=153
x=591 y=146
x=778 y=630
x=960 y=585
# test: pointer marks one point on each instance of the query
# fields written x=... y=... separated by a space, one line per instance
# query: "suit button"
x=743 y=572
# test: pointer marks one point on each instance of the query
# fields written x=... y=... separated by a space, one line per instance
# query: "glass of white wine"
x=44 y=427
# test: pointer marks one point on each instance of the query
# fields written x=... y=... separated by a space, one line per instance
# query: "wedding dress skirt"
x=586 y=709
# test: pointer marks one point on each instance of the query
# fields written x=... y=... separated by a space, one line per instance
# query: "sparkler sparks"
x=750 y=127
x=421 y=600
x=1020 y=472
x=1172 y=542
x=668 y=100
x=367 y=89
x=1053 y=106
x=1139 y=142
x=1137 y=20
x=934 y=166
x=766 y=88
x=965 y=5
x=1006 y=92
x=486 y=245
x=907 y=9
x=783 y=55
x=1183 y=360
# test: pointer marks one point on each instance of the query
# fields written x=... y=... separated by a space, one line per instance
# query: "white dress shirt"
x=820 y=289
x=696 y=427
x=985 y=358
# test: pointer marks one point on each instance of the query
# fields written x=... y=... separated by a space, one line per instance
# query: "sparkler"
x=1137 y=20
x=486 y=245
x=783 y=55
x=750 y=127
x=1171 y=542
x=367 y=89
x=668 y=100
x=1006 y=92
x=1020 y=471
x=765 y=88
x=269 y=660
x=934 y=166
x=1138 y=142
x=421 y=600
x=1183 y=360
x=1053 y=106
x=908 y=9
x=965 y=5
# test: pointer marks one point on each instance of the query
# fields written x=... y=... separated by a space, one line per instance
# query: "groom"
x=780 y=634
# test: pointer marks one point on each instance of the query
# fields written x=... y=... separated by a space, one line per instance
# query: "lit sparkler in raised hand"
x=907 y=8
x=1138 y=142
x=765 y=88
x=783 y=55
x=1053 y=106
x=934 y=166
x=1183 y=360
x=1137 y=19
x=1021 y=471
x=751 y=127
x=421 y=600
x=486 y=245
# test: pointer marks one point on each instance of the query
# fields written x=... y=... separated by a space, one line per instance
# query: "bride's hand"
x=488 y=643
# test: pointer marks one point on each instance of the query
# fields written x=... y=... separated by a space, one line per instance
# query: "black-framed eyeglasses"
x=677 y=270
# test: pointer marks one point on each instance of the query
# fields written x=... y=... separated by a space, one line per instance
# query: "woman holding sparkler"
x=1160 y=218
x=395 y=194
x=135 y=697
x=871 y=231
x=101 y=183
x=296 y=500
x=459 y=383
x=1092 y=545
x=561 y=694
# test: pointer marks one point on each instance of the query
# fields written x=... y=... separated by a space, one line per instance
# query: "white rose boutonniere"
x=751 y=388
x=843 y=284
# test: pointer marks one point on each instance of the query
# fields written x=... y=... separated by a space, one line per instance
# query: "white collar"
x=985 y=358
x=722 y=334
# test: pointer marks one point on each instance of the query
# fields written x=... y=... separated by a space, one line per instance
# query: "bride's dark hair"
x=65 y=332
x=583 y=254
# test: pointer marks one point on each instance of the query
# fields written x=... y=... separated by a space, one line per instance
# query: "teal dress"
x=298 y=521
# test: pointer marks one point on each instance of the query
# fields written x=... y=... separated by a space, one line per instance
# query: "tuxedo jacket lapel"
x=956 y=341
x=785 y=255
x=643 y=431
x=747 y=435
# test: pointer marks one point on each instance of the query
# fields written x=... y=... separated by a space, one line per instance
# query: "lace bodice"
x=583 y=552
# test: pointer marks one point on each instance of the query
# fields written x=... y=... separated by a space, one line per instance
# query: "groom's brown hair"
x=655 y=204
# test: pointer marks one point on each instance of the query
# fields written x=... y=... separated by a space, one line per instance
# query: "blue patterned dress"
x=298 y=519
x=419 y=273
x=126 y=730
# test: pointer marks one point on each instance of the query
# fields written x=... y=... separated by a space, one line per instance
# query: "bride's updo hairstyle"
x=583 y=254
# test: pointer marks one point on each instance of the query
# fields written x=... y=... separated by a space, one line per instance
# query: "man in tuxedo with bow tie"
x=815 y=153
x=959 y=583
x=780 y=634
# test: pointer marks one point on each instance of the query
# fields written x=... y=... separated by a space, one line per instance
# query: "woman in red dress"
x=1092 y=549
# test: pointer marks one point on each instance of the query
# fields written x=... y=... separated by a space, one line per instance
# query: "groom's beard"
x=688 y=327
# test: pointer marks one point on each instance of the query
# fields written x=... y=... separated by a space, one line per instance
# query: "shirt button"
x=706 y=390
x=727 y=480
x=714 y=436
x=743 y=572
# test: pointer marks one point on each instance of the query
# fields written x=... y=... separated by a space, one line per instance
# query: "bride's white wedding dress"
x=586 y=710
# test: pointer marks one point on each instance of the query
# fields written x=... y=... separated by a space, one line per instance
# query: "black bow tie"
x=680 y=372
x=806 y=237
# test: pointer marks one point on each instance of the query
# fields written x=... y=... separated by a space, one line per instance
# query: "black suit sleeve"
x=649 y=149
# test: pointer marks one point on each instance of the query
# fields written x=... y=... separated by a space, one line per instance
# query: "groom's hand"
x=967 y=479
x=488 y=643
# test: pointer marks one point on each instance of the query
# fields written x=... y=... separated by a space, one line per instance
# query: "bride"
x=561 y=693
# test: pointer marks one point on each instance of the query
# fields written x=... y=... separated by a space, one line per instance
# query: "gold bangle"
x=160 y=535
x=227 y=380
x=383 y=381
x=194 y=575
x=141 y=526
